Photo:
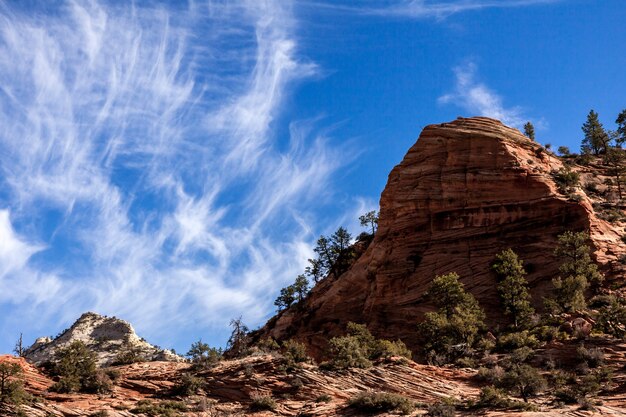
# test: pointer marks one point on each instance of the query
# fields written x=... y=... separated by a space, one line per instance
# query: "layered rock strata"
x=464 y=192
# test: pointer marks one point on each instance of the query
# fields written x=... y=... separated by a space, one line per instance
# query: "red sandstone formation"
x=464 y=192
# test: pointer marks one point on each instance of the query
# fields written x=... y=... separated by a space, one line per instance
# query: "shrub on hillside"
x=75 y=365
x=445 y=408
x=129 y=354
x=161 y=408
x=523 y=380
x=268 y=345
x=295 y=352
x=347 y=352
x=188 y=385
x=386 y=349
x=359 y=348
x=612 y=318
x=263 y=402
x=376 y=402
x=566 y=179
x=516 y=340
x=202 y=355
x=593 y=357
x=11 y=384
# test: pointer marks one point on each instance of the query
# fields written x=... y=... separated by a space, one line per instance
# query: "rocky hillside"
x=231 y=387
x=464 y=192
x=108 y=337
x=234 y=387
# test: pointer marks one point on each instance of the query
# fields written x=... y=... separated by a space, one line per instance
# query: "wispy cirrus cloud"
x=139 y=148
x=477 y=98
x=417 y=9
x=422 y=9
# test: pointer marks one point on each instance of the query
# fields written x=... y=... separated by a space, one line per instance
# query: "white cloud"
x=475 y=97
x=14 y=252
x=419 y=9
x=19 y=281
x=149 y=131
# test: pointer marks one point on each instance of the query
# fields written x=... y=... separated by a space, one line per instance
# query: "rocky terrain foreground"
x=231 y=386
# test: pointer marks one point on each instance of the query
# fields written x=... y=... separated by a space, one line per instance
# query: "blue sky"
x=173 y=164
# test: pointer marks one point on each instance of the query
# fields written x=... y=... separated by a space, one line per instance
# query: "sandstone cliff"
x=107 y=337
x=464 y=192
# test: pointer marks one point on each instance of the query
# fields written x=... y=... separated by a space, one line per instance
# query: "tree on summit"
x=370 y=220
x=239 y=340
x=621 y=128
x=596 y=139
x=529 y=130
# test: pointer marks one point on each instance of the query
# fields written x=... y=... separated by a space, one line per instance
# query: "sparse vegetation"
x=129 y=354
x=159 y=409
x=324 y=398
x=593 y=357
x=566 y=179
x=376 y=402
x=187 y=385
x=510 y=341
x=262 y=402
x=494 y=398
x=268 y=345
x=445 y=408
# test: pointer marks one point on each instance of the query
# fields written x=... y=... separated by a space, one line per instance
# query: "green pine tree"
x=529 y=130
x=370 y=220
x=596 y=139
x=621 y=128
x=578 y=271
x=513 y=287
x=300 y=287
x=457 y=321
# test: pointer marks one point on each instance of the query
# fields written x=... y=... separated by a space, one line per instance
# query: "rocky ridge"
x=465 y=191
x=107 y=337
x=230 y=388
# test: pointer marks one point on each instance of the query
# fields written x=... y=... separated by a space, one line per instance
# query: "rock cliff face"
x=464 y=192
x=107 y=337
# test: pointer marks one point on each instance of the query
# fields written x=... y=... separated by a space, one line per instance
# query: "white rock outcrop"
x=107 y=337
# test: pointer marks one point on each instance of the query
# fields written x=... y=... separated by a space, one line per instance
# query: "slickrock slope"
x=230 y=387
x=106 y=336
x=464 y=192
